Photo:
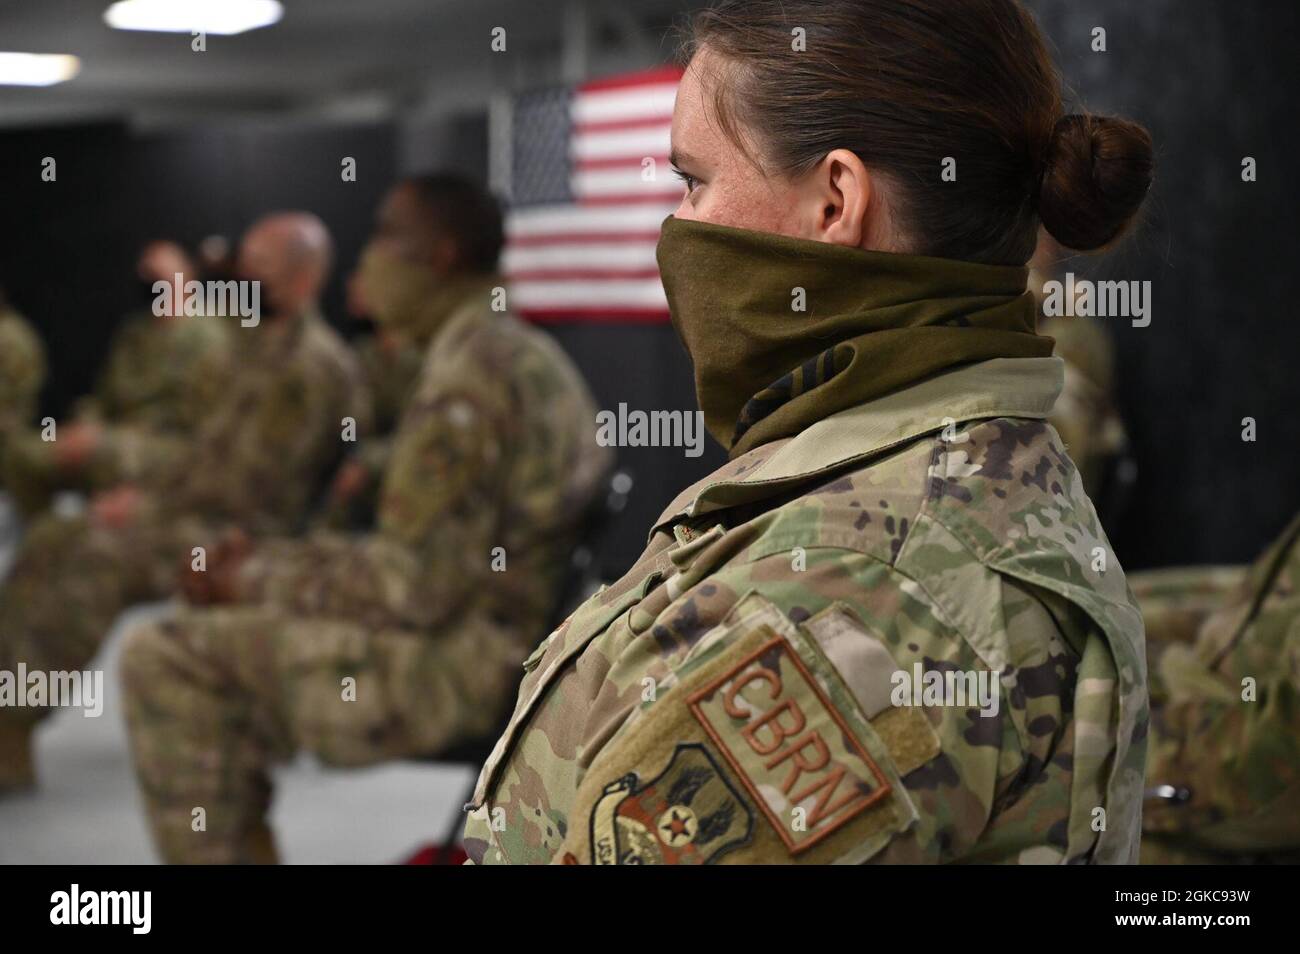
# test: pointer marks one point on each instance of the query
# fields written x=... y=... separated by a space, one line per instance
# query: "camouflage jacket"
x=1224 y=767
x=22 y=372
x=264 y=449
x=493 y=461
x=749 y=691
x=391 y=369
x=161 y=378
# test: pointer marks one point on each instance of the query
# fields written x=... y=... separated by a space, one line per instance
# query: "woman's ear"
x=846 y=207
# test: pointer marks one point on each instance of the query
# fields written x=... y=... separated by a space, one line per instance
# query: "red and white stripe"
x=594 y=259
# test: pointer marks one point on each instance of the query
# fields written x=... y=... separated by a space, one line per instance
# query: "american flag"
x=590 y=184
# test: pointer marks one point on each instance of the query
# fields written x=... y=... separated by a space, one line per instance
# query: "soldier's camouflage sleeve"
x=22 y=374
x=930 y=659
x=159 y=383
x=1224 y=761
x=156 y=395
x=437 y=514
x=1176 y=602
x=829 y=700
x=263 y=454
x=479 y=472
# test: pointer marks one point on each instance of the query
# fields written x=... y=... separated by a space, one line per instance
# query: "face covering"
x=412 y=299
x=269 y=302
x=784 y=332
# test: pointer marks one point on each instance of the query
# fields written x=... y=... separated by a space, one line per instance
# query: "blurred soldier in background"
x=391 y=363
x=403 y=641
x=1086 y=414
x=390 y=358
x=1223 y=772
x=22 y=374
x=165 y=371
x=263 y=449
x=1223 y=779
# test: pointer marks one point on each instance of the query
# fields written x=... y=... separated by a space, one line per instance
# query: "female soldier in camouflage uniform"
x=891 y=628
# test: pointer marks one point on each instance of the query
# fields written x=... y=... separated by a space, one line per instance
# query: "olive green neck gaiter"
x=784 y=332
x=412 y=300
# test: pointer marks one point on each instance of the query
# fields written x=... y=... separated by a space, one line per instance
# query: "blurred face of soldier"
x=290 y=282
x=408 y=263
x=403 y=230
x=839 y=201
x=163 y=262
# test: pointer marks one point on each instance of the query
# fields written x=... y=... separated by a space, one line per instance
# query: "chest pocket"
x=553 y=656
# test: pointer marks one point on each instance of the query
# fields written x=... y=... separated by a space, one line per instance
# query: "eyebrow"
x=679 y=159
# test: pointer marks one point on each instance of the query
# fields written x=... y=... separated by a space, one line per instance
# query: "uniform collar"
x=1000 y=387
x=473 y=307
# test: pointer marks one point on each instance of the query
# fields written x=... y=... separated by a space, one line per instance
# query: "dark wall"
x=60 y=244
x=1214 y=82
x=67 y=255
x=645 y=367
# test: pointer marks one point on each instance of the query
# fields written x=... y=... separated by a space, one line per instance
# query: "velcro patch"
x=788 y=744
x=757 y=718
x=690 y=813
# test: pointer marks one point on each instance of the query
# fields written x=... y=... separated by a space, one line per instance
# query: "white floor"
x=87 y=811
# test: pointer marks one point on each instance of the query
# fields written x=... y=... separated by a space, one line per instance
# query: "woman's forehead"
x=696 y=133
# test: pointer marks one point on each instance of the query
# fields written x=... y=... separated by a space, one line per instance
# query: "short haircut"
x=467 y=212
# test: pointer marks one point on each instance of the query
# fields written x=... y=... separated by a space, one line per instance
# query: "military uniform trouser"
x=214 y=697
x=70 y=580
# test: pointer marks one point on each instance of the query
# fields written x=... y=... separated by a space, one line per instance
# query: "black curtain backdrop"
x=1214 y=82
x=67 y=257
x=645 y=367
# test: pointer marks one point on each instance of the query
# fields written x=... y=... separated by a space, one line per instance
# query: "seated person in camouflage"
x=403 y=641
x=164 y=372
x=1223 y=776
x=891 y=628
x=391 y=362
x=22 y=374
x=264 y=444
x=1086 y=414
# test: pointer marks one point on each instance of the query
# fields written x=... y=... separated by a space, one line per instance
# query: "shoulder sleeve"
x=834 y=712
x=770 y=742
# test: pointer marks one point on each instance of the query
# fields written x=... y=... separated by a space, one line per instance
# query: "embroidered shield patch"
x=791 y=748
x=690 y=814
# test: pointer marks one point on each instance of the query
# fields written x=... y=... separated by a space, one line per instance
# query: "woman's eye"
x=688 y=180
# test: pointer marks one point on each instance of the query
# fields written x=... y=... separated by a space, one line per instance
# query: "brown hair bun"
x=1097 y=171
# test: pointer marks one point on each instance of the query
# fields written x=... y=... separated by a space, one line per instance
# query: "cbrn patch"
x=788 y=744
x=761 y=709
